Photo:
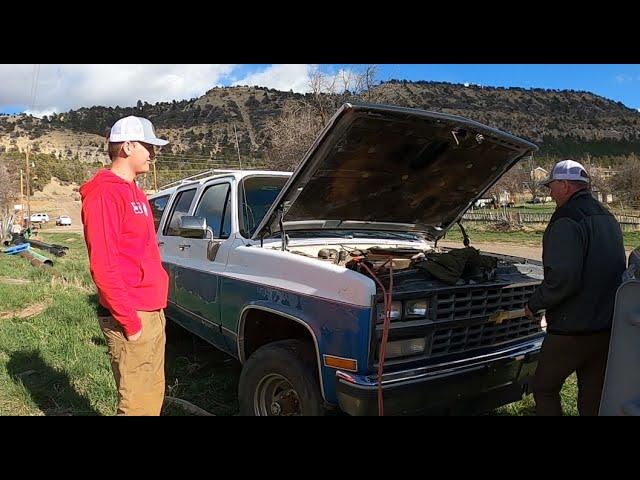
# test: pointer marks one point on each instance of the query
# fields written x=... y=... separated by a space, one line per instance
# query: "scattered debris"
x=57 y=250
x=29 y=311
x=13 y=250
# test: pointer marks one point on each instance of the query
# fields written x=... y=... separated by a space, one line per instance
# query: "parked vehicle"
x=39 y=218
x=63 y=220
x=289 y=273
x=485 y=203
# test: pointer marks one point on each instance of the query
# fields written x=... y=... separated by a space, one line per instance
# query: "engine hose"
x=387 y=302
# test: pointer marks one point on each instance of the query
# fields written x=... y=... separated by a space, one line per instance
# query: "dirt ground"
x=57 y=199
x=525 y=251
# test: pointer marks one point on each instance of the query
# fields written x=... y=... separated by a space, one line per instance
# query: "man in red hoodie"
x=125 y=265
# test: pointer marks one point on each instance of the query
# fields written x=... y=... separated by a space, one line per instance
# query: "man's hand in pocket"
x=135 y=336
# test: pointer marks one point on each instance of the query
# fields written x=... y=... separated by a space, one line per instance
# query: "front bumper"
x=472 y=385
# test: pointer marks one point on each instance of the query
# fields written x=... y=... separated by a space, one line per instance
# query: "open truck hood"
x=376 y=167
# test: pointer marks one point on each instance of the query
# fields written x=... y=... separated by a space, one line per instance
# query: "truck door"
x=621 y=391
x=203 y=260
x=169 y=240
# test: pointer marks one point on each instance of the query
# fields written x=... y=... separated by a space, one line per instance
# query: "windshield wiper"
x=378 y=234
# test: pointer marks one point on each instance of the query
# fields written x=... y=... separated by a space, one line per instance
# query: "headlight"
x=416 y=308
x=405 y=348
x=396 y=311
x=543 y=323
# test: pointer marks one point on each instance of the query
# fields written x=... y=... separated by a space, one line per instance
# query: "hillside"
x=562 y=123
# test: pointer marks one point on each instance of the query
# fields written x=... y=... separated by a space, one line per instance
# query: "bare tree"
x=8 y=190
x=346 y=81
x=368 y=80
x=534 y=188
x=532 y=183
x=330 y=91
x=599 y=181
x=320 y=89
x=513 y=181
x=627 y=183
x=291 y=135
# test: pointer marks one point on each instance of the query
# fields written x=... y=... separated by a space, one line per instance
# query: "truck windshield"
x=256 y=196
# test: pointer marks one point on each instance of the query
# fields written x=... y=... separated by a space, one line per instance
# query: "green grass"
x=55 y=363
x=527 y=407
x=50 y=363
x=533 y=208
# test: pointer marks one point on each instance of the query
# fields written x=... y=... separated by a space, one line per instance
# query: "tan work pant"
x=138 y=366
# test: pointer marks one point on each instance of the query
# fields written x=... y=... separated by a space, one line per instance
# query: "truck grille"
x=460 y=339
x=471 y=303
x=466 y=319
x=474 y=303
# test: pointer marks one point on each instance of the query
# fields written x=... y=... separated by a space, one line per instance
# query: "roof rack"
x=197 y=176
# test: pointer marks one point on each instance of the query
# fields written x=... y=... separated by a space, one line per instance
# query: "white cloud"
x=623 y=78
x=297 y=77
x=41 y=113
x=281 y=77
x=63 y=87
x=345 y=79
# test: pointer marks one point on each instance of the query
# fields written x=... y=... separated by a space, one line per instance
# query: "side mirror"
x=193 y=227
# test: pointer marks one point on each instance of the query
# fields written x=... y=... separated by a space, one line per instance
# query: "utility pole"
x=237 y=146
x=21 y=189
x=28 y=192
x=155 y=177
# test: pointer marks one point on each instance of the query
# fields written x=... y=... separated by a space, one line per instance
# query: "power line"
x=179 y=158
x=178 y=162
x=34 y=86
x=205 y=155
x=185 y=170
x=99 y=150
x=205 y=162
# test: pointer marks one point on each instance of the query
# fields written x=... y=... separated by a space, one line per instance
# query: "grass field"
x=55 y=362
x=53 y=356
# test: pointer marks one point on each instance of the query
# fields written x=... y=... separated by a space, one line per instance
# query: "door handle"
x=160 y=244
x=183 y=246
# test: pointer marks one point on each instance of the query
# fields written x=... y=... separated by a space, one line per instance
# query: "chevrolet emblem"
x=502 y=315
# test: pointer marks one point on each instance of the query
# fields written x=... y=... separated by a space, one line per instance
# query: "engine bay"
x=428 y=267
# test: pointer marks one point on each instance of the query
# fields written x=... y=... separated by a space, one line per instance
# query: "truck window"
x=259 y=192
x=157 y=207
x=215 y=206
x=180 y=208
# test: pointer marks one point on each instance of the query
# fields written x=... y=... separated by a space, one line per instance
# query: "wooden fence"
x=627 y=222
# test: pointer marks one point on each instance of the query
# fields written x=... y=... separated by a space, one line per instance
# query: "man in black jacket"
x=583 y=256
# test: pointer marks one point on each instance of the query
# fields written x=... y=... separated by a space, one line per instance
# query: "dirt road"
x=526 y=251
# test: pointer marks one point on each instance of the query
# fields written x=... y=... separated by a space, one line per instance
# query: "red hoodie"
x=124 y=258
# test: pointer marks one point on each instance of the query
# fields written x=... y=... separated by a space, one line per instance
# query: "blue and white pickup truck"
x=267 y=266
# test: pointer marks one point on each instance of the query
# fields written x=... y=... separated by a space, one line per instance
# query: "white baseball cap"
x=134 y=129
x=567 y=170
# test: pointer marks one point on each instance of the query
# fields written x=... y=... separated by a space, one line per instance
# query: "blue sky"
x=62 y=87
x=616 y=82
